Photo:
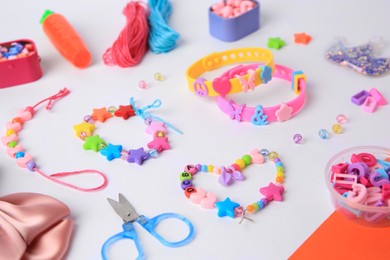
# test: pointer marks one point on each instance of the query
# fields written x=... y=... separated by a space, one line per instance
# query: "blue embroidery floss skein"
x=162 y=38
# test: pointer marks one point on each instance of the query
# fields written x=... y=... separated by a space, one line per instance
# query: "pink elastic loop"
x=54 y=177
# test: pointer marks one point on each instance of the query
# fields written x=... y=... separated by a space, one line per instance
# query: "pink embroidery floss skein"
x=132 y=43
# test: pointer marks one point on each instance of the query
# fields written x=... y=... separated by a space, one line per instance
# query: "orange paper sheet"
x=339 y=238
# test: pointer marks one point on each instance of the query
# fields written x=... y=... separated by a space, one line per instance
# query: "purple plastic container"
x=233 y=29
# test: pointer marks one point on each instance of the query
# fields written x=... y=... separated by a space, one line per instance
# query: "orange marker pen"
x=65 y=38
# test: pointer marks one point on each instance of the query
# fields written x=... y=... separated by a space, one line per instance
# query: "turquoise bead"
x=19 y=155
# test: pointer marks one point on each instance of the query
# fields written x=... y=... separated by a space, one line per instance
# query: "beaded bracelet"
x=156 y=127
x=24 y=160
x=227 y=207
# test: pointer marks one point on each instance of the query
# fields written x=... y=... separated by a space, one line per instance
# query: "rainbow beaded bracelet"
x=227 y=175
x=156 y=127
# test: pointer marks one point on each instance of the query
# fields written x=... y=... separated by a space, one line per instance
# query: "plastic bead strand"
x=25 y=160
x=227 y=175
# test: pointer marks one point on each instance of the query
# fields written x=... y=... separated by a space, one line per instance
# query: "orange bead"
x=250 y=208
x=17 y=120
x=279 y=179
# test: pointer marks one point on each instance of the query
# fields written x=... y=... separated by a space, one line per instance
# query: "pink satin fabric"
x=33 y=226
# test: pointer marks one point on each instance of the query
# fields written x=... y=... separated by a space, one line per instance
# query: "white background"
x=210 y=137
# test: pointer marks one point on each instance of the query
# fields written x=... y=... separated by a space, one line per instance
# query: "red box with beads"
x=20 y=70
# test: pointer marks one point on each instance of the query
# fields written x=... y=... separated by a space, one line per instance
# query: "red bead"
x=189 y=190
x=236 y=166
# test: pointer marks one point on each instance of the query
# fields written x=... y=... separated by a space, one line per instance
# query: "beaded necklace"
x=25 y=160
x=227 y=175
x=155 y=126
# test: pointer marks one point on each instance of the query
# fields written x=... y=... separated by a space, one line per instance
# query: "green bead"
x=279 y=169
x=247 y=159
x=12 y=144
x=185 y=176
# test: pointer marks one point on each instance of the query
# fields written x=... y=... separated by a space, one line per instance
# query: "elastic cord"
x=162 y=38
x=54 y=177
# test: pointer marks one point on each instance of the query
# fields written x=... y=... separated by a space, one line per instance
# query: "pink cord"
x=54 y=177
x=132 y=43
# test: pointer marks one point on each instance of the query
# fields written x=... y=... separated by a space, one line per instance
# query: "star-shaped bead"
x=94 y=143
x=125 y=112
x=273 y=192
x=284 y=112
x=155 y=127
x=275 y=43
x=302 y=38
x=137 y=156
x=226 y=208
x=159 y=143
x=85 y=128
x=101 y=114
x=111 y=151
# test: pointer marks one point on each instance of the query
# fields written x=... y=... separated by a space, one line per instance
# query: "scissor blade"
x=124 y=209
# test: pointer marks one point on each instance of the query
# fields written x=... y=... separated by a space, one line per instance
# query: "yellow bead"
x=241 y=163
x=337 y=129
x=158 y=76
x=281 y=174
x=160 y=134
x=273 y=155
x=210 y=168
x=111 y=109
x=10 y=132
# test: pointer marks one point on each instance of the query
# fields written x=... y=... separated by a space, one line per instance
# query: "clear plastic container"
x=376 y=216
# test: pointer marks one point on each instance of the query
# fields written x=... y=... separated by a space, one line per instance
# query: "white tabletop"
x=210 y=137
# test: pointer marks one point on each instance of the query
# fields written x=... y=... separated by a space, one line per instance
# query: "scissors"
x=127 y=212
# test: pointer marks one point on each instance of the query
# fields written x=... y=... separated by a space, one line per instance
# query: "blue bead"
x=323 y=134
x=19 y=155
x=204 y=168
x=261 y=204
x=279 y=164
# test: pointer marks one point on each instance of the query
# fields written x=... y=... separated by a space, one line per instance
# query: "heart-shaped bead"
x=222 y=85
x=257 y=157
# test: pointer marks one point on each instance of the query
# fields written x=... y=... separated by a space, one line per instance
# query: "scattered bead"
x=158 y=76
x=275 y=43
x=302 y=38
x=342 y=119
x=337 y=129
x=142 y=84
x=323 y=133
x=298 y=139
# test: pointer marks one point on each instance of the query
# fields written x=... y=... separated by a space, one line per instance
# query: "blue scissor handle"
x=150 y=226
x=127 y=233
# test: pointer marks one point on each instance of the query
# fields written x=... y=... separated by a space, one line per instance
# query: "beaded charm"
x=228 y=175
x=25 y=160
x=155 y=127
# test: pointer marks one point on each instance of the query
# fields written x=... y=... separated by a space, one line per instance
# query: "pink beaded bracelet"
x=25 y=160
x=226 y=207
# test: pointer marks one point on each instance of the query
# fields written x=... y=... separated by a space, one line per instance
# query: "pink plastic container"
x=21 y=70
x=376 y=216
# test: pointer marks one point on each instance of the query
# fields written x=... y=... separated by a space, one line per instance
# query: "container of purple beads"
x=359 y=58
x=358 y=182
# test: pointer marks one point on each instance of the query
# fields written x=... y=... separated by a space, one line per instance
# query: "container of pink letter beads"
x=358 y=180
